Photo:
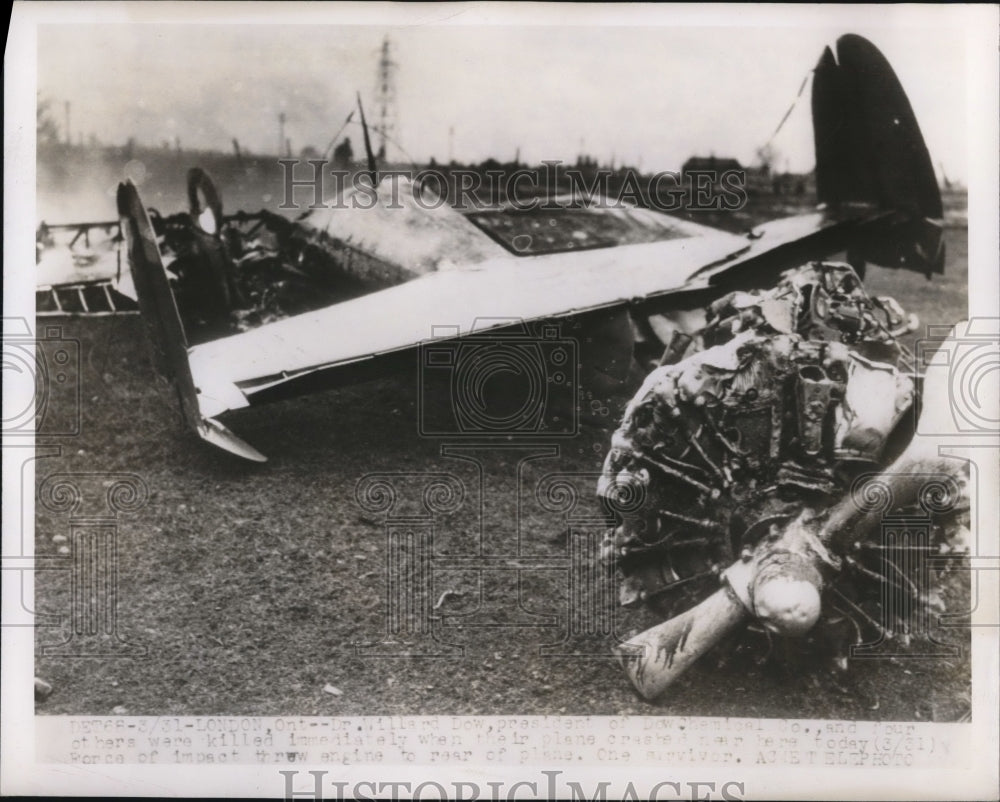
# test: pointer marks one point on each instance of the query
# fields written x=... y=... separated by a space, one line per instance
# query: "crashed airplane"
x=777 y=386
x=256 y=307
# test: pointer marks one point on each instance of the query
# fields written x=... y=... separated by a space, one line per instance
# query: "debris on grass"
x=330 y=689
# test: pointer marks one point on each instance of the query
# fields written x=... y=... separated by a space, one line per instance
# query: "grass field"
x=250 y=586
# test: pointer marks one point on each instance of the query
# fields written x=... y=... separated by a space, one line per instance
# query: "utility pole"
x=69 y=140
x=281 y=132
x=451 y=144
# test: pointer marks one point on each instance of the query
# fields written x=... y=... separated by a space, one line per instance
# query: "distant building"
x=709 y=163
x=758 y=179
x=712 y=166
x=794 y=184
x=761 y=180
x=343 y=153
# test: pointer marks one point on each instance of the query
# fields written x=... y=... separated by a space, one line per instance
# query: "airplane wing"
x=499 y=290
x=306 y=351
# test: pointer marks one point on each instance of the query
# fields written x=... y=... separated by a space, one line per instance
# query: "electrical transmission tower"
x=385 y=102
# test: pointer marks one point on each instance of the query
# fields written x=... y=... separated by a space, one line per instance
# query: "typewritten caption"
x=520 y=740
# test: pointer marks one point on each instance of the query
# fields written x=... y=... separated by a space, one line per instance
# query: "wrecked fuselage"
x=243 y=271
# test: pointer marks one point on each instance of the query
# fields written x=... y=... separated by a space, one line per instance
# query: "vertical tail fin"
x=869 y=150
x=164 y=329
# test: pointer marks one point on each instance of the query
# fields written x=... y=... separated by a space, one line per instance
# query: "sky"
x=646 y=95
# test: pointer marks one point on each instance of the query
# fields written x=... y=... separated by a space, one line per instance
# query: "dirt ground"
x=261 y=589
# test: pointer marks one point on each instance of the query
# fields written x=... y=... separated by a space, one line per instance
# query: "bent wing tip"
x=211 y=431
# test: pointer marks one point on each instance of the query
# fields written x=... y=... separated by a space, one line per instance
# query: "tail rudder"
x=162 y=320
x=870 y=152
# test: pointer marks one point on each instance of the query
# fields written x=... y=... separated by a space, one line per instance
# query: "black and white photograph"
x=521 y=400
